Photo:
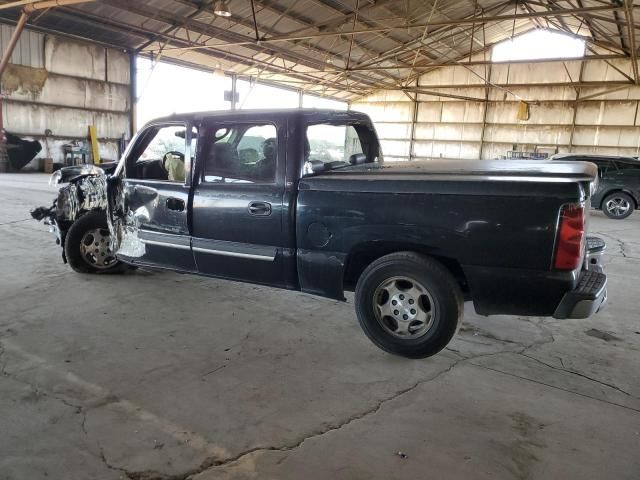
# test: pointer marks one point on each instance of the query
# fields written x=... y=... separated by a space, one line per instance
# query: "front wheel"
x=408 y=304
x=87 y=245
x=618 y=205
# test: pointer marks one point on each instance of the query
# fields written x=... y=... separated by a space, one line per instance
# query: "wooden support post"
x=95 y=147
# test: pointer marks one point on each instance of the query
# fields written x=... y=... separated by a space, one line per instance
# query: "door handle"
x=260 y=208
x=176 y=204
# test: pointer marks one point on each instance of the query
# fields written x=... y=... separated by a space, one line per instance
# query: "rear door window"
x=242 y=153
x=333 y=143
x=330 y=146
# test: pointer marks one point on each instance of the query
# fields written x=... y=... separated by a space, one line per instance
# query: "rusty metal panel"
x=395 y=148
x=439 y=149
x=118 y=66
x=75 y=59
x=34 y=119
x=386 y=111
x=62 y=85
x=534 y=94
x=533 y=73
x=38 y=86
x=628 y=137
x=29 y=50
x=528 y=134
x=607 y=113
x=600 y=71
x=430 y=111
x=393 y=130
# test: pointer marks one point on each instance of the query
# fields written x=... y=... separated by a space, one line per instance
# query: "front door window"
x=161 y=155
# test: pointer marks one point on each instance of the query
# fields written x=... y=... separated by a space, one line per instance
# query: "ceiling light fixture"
x=221 y=9
x=218 y=72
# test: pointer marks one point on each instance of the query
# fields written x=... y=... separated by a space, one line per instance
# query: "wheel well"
x=363 y=255
x=619 y=190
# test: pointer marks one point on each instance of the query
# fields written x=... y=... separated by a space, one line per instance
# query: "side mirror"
x=357 y=159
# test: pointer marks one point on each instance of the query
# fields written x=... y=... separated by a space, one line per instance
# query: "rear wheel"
x=408 y=304
x=618 y=205
x=88 y=245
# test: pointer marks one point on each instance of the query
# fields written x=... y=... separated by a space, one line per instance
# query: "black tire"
x=92 y=220
x=444 y=292
x=619 y=200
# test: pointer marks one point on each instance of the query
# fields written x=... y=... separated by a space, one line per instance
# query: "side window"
x=160 y=156
x=629 y=167
x=329 y=146
x=332 y=143
x=241 y=154
x=604 y=166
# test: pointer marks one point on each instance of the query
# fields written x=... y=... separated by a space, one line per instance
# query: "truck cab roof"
x=309 y=115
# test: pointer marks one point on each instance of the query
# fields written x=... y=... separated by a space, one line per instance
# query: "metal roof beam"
x=628 y=11
x=32 y=5
x=126 y=28
x=464 y=21
x=213 y=31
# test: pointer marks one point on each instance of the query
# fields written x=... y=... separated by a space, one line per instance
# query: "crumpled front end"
x=86 y=191
x=124 y=222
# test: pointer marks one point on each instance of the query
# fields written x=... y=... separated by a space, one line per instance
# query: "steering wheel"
x=180 y=155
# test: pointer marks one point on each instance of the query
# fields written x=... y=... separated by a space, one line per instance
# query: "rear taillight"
x=570 y=237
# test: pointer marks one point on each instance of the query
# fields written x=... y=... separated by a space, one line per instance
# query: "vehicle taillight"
x=570 y=237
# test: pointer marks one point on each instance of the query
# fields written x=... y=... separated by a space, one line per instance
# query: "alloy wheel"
x=404 y=307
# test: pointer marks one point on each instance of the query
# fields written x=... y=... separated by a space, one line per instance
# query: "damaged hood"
x=68 y=174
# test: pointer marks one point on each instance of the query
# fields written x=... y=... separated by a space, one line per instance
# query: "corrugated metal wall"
x=567 y=111
x=64 y=86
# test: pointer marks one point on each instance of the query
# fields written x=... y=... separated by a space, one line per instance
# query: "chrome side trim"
x=227 y=253
x=226 y=248
x=166 y=244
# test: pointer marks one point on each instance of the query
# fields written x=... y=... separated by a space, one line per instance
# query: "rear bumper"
x=541 y=293
x=587 y=298
x=595 y=251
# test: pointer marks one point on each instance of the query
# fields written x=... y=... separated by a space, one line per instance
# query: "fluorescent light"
x=221 y=9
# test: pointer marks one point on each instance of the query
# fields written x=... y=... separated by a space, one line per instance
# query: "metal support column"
x=234 y=90
x=484 y=113
x=575 y=108
x=133 y=92
x=414 y=120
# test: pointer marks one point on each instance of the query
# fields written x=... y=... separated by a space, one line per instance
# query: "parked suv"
x=618 y=191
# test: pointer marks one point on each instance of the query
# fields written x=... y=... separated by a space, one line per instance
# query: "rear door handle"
x=176 y=204
x=262 y=209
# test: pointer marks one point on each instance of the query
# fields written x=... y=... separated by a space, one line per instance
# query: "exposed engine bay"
x=86 y=191
x=89 y=189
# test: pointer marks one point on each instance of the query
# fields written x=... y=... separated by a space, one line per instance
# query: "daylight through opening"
x=538 y=44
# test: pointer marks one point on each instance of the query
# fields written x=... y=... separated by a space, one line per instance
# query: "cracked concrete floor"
x=159 y=376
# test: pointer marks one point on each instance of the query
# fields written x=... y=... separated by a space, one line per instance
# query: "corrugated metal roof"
x=309 y=44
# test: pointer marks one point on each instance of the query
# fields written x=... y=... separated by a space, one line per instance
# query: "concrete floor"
x=158 y=375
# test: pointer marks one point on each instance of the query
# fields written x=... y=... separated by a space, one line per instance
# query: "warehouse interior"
x=156 y=375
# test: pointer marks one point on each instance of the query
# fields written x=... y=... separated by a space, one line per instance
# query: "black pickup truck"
x=301 y=199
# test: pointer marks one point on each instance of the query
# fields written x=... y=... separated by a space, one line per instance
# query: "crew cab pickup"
x=302 y=200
